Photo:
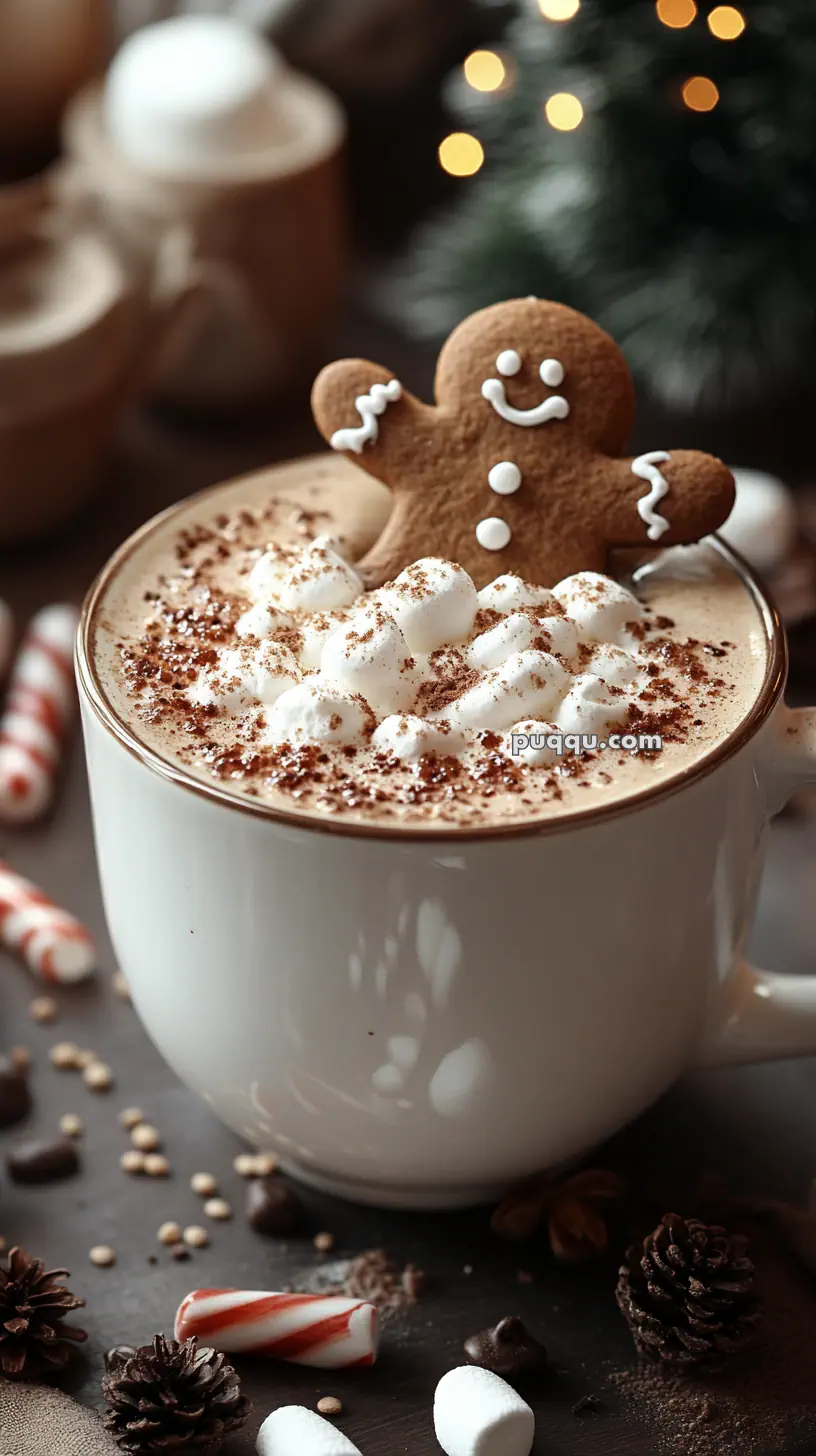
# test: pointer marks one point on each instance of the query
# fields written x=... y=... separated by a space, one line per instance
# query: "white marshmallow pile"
x=357 y=668
x=476 y=1413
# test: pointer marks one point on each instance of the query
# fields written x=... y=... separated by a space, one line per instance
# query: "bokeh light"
x=677 y=14
x=461 y=154
x=700 y=94
x=485 y=71
x=559 y=9
x=564 y=111
x=726 y=22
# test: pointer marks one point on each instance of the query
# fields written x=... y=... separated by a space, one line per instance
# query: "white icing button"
x=493 y=533
x=508 y=362
x=504 y=478
x=551 y=373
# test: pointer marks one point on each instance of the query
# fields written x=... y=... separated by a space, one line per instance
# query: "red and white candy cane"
x=54 y=945
x=40 y=703
x=326 y=1331
x=6 y=636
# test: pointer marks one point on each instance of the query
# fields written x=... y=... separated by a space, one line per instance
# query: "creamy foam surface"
x=236 y=642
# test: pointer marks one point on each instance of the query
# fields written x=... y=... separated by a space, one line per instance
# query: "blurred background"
x=201 y=201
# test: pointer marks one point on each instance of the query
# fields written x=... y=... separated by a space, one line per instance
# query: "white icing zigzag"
x=645 y=467
x=368 y=407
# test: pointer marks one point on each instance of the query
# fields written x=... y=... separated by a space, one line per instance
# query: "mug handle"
x=758 y=1015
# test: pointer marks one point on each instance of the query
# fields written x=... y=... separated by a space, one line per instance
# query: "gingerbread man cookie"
x=518 y=466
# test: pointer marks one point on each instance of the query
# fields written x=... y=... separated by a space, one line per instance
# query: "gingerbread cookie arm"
x=663 y=498
x=364 y=412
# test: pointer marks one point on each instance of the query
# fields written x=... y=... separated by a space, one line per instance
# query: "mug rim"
x=94 y=694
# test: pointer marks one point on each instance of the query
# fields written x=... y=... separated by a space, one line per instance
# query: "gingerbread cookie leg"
x=665 y=497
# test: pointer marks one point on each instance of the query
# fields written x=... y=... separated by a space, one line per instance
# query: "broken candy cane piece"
x=476 y=1413
x=41 y=699
x=294 y=1429
x=325 y=1331
x=55 y=946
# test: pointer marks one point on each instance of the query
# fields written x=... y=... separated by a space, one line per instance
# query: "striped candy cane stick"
x=41 y=700
x=6 y=636
x=54 y=945
x=325 y=1331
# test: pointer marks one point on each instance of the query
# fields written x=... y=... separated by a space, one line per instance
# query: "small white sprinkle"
x=64 y=1055
x=71 y=1125
x=102 y=1255
x=156 y=1165
x=508 y=362
x=217 y=1208
x=551 y=373
x=98 y=1076
x=493 y=533
x=132 y=1161
x=145 y=1137
x=504 y=478
x=204 y=1184
x=131 y=1116
x=169 y=1233
x=196 y=1237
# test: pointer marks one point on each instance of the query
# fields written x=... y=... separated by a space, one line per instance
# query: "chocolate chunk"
x=42 y=1162
x=15 y=1098
x=508 y=1350
x=272 y=1208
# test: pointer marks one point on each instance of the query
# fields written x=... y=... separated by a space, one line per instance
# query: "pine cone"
x=687 y=1293
x=169 y=1397
x=33 y=1339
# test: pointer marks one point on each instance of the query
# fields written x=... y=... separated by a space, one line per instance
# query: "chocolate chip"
x=15 y=1098
x=507 y=1350
x=272 y=1208
x=42 y=1162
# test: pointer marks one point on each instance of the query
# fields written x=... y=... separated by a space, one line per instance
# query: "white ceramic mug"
x=417 y=1020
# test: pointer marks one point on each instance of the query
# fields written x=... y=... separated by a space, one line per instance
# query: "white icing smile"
x=551 y=372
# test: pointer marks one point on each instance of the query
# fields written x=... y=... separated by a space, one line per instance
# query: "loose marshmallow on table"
x=311 y=712
x=527 y=681
x=408 y=738
x=369 y=655
x=599 y=606
x=295 y=1431
x=507 y=593
x=194 y=94
x=476 y=1413
x=434 y=603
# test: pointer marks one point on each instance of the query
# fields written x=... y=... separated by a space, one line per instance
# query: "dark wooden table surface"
x=758 y=1126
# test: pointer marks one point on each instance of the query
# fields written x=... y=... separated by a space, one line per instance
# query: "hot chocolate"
x=237 y=642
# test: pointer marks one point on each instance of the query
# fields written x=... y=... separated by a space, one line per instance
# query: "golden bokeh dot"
x=564 y=111
x=677 y=14
x=726 y=22
x=461 y=154
x=559 y=9
x=485 y=71
x=700 y=94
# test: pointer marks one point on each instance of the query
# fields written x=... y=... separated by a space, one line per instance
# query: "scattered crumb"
x=98 y=1076
x=132 y=1161
x=196 y=1236
x=43 y=1009
x=102 y=1255
x=71 y=1124
x=130 y=1117
x=324 y=1243
x=156 y=1165
x=204 y=1184
x=169 y=1233
x=64 y=1055
x=217 y=1208
x=145 y=1138
x=329 y=1405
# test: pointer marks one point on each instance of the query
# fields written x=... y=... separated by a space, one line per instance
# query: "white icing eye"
x=493 y=533
x=552 y=373
x=504 y=478
x=508 y=362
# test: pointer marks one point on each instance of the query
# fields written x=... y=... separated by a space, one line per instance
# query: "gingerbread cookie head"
x=517 y=467
x=532 y=362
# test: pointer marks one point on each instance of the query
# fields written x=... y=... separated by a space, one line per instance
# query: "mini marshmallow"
x=266 y=577
x=409 y=738
x=293 y=1428
x=476 y=1413
x=517 y=632
x=261 y=620
x=527 y=680
x=589 y=707
x=535 y=752
x=507 y=593
x=319 y=580
x=369 y=655
x=614 y=666
x=245 y=676
x=316 y=713
x=315 y=633
x=598 y=605
x=434 y=603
